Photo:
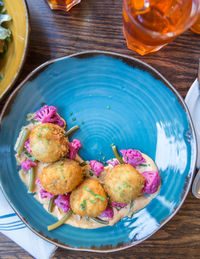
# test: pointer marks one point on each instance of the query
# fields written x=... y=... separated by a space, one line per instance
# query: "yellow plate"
x=13 y=61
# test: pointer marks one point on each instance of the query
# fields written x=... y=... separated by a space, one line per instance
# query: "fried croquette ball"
x=61 y=177
x=88 y=199
x=48 y=142
x=123 y=183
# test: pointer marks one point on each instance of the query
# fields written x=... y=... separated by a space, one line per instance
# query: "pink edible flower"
x=38 y=182
x=48 y=114
x=62 y=201
x=74 y=147
x=43 y=193
x=27 y=164
x=113 y=162
x=27 y=145
x=96 y=167
x=132 y=157
x=107 y=213
x=152 y=181
x=118 y=205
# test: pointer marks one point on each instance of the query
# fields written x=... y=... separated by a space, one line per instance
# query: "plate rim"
x=183 y=104
x=23 y=59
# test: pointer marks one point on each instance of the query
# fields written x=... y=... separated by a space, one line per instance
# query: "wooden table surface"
x=98 y=25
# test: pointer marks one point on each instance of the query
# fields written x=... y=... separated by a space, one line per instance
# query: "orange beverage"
x=65 y=5
x=148 y=25
x=196 y=26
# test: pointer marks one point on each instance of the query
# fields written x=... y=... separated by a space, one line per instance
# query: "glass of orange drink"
x=65 y=5
x=148 y=25
x=196 y=26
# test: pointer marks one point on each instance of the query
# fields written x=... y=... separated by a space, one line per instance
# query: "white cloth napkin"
x=12 y=227
x=193 y=102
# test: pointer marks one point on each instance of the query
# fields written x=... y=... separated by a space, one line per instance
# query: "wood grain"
x=98 y=25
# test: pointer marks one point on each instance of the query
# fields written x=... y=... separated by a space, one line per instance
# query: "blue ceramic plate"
x=121 y=100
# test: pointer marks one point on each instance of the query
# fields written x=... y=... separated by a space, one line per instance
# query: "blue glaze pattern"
x=114 y=99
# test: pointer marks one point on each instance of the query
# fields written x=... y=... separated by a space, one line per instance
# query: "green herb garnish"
x=83 y=204
x=96 y=195
x=84 y=163
x=143 y=164
x=30 y=117
x=91 y=174
x=39 y=135
x=125 y=184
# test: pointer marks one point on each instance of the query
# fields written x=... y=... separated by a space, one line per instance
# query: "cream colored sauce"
x=83 y=222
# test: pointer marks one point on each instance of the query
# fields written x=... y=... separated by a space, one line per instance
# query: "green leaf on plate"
x=4 y=33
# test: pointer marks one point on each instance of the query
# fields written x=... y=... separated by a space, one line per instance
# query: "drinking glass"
x=148 y=25
x=65 y=5
x=196 y=26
